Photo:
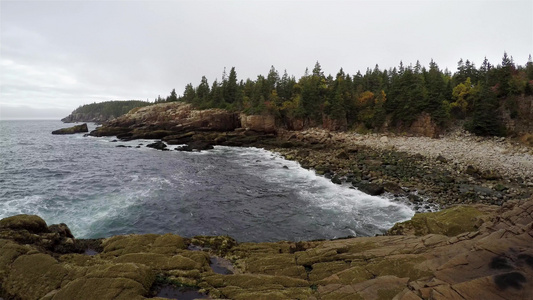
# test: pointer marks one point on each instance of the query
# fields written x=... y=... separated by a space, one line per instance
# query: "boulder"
x=71 y=130
x=159 y=145
x=31 y=223
x=195 y=146
x=370 y=188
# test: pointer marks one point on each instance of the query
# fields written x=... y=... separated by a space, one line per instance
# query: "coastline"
x=466 y=251
x=455 y=169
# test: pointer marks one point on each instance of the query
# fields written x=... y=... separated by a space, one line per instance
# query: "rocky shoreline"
x=475 y=250
x=465 y=252
x=402 y=165
x=457 y=168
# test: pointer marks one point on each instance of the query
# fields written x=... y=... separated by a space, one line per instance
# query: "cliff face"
x=176 y=120
x=87 y=117
x=467 y=252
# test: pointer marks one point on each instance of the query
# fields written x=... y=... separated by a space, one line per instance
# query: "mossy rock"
x=31 y=223
x=34 y=276
x=218 y=244
x=449 y=222
x=9 y=252
x=281 y=264
x=134 y=271
x=105 y=288
x=323 y=270
x=139 y=243
x=159 y=261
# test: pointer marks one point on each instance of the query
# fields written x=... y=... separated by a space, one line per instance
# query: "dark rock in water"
x=195 y=146
x=414 y=198
x=159 y=145
x=220 y=265
x=336 y=180
x=393 y=188
x=122 y=146
x=71 y=130
x=285 y=167
x=370 y=188
x=179 y=139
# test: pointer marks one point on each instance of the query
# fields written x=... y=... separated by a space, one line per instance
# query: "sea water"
x=250 y=194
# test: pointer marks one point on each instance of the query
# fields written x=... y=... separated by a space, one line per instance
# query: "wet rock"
x=179 y=139
x=195 y=146
x=336 y=180
x=71 y=130
x=370 y=188
x=393 y=188
x=415 y=198
x=159 y=145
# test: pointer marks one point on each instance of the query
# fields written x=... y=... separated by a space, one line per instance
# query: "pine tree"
x=484 y=119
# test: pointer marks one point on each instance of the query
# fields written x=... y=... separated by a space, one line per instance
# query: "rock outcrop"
x=167 y=119
x=259 y=123
x=71 y=130
x=466 y=252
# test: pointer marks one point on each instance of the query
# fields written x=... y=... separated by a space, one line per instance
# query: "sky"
x=58 y=55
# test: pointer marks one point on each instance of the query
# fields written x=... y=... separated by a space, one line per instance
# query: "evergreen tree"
x=484 y=120
x=231 y=88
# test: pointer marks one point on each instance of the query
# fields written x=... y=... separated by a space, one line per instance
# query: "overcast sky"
x=58 y=55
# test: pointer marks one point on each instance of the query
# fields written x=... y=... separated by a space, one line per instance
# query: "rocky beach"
x=477 y=245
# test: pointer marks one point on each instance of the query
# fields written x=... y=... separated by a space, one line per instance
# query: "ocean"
x=250 y=194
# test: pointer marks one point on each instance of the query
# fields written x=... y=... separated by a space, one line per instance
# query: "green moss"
x=449 y=222
x=218 y=244
x=105 y=288
x=31 y=223
x=34 y=276
x=124 y=244
x=159 y=261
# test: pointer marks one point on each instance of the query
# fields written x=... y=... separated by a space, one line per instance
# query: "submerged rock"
x=71 y=130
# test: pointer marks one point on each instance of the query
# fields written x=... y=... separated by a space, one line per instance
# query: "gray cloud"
x=64 y=54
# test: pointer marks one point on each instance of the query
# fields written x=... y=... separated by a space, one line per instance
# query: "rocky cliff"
x=466 y=252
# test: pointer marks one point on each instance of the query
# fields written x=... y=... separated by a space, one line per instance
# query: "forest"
x=109 y=108
x=396 y=96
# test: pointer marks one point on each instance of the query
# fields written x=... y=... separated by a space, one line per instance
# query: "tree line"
x=110 y=108
x=397 y=95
